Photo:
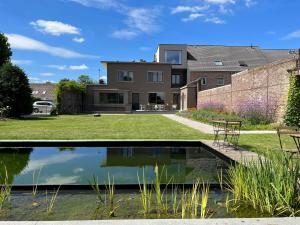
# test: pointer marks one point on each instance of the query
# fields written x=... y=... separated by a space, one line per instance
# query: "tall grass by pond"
x=270 y=186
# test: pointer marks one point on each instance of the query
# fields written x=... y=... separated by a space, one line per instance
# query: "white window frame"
x=180 y=56
x=203 y=81
x=155 y=76
x=219 y=84
x=218 y=63
x=177 y=79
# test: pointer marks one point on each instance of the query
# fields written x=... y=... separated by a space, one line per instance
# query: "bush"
x=292 y=114
x=257 y=112
x=215 y=106
x=15 y=91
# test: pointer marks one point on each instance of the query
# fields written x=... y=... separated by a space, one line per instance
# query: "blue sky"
x=55 y=39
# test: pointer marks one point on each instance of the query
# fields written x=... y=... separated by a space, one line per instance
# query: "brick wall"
x=267 y=84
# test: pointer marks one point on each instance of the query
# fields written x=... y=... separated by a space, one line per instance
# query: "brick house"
x=44 y=91
x=175 y=76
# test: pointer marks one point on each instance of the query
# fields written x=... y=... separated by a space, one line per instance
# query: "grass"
x=270 y=186
x=70 y=127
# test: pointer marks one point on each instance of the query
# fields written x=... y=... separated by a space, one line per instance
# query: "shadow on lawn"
x=38 y=118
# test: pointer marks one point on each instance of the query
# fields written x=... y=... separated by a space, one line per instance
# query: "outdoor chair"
x=232 y=132
x=287 y=131
x=219 y=129
x=174 y=107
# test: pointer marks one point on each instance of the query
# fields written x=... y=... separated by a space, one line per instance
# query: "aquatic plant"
x=145 y=195
x=35 y=178
x=5 y=190
x=94 y=183
x=175 y=204
x=190 y=201
x=269 y=185
x=110 y=189
x=50 y=203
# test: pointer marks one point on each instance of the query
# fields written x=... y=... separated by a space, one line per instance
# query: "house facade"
x=175 y=76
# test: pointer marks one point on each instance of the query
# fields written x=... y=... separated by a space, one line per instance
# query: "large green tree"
x=15 y=91
x=5 y=51
x=85 y=79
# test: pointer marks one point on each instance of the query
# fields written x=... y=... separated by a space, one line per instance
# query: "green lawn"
x=120 y=127
x=105 y=127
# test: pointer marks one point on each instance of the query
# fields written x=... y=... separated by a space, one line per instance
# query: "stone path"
x=238 y=154
x=208 y=129
x=227 y=221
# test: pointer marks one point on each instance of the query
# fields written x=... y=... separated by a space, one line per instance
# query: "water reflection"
x=13 y=160
x=78 y=165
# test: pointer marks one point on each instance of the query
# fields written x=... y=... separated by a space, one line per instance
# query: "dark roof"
x=135 y=62
x=43 y=91
x=233 y=58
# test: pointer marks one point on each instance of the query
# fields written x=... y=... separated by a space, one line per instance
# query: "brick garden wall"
x=268 y=84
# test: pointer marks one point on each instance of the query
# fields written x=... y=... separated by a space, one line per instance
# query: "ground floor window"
x=220 y=81
x=156 y=98
x=111 y=98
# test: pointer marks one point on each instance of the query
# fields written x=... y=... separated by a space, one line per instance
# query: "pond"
x=78 y=165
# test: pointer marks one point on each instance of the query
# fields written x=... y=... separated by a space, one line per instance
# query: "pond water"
x=64 y=166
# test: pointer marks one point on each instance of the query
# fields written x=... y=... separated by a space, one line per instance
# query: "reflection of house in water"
x=181 y=163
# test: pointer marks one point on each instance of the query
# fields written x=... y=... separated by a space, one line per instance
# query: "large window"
x=173 y=57
x=155 y=76
x=111 y=98
x=157 y=98
x=175 y=79
x=125 y=76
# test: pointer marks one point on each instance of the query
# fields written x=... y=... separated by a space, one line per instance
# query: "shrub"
x=257 y=112
x=292 y=114
x=15 y=91
x=216 y=106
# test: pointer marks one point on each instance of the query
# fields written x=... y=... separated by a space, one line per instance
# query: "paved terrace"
x=208 y=129
x=252 y=221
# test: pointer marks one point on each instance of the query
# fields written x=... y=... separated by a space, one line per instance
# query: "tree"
x=15 y=91
x=5 y=51
x=85 y=79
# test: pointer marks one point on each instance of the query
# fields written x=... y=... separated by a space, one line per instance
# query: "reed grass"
x=5 y=190
x=145 y=195
x=35 y=178
x=50 y=203
x=110 y=191
x=94 y=183
x=270 y=186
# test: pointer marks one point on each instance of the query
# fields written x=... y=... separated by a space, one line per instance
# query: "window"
x=203 y=80
x=173 y=57
x=220 y=81
x=125 y=76
x=155 y=76
x=156 y=98
x=243 y=63
x=218 y=63
x=111 y=98
x=175 y=79
x=35 y=92
x=44 y=92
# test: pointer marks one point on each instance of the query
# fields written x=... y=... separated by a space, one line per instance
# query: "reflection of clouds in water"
x=59 y=179
x=37 y=164
x=78 y=170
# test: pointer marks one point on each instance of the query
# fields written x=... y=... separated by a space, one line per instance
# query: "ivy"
x=69 y=86
x=292 y=114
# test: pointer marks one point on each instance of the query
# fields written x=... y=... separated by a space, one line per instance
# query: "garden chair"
x=286 y=130
x=219 y=127
x=232 y=132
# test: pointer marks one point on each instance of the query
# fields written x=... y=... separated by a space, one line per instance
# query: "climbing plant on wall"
x=292 y=114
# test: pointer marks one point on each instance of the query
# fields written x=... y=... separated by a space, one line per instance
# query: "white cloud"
x=39 y=80
x=60 y=180
x=64 y=67
x=78 y=170
x=80 y=67
x=295 y=34
x=138 y=19
x=25 y=43
x=124 y=34
x=47 y=74
x=215 y=20
x=21 y=61
x=220 y=2
x=191 y=9
x=250 y=3
x=55 y=28
x=78 y=40
x=192 y=17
